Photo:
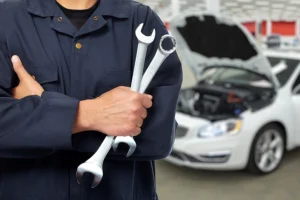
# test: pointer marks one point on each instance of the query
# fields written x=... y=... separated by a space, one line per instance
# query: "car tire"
x=258 y=145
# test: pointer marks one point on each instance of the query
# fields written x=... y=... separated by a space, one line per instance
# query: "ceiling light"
x=295 y=2
x=278 y=5
x=262 y=3
x=231 y=4
x=248 y=6
x=264 y=8
x=291 y=8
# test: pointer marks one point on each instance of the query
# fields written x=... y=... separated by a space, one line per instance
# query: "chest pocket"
x=47 y=77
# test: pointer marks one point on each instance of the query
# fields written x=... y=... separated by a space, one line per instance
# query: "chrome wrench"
x=158 y=59
x=144 y=42
x=95 y=164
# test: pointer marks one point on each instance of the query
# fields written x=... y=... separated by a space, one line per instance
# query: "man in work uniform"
x=65 y=71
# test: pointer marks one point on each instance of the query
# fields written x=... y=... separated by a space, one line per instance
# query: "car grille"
x=181 y=132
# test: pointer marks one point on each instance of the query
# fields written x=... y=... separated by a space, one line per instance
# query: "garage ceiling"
x=243 y=10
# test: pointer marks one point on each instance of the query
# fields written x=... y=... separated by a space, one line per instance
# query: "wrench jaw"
x=126 y=140
x=143 y=38
x=90 y=168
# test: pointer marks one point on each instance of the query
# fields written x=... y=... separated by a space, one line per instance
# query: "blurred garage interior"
x=263 y=19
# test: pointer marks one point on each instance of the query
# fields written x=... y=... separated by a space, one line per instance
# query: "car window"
x=284 y=75
x=296 y=83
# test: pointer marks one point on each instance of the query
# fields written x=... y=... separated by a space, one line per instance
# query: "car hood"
x=206 y=40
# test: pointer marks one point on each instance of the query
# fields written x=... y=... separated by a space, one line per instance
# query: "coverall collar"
x=113 y=8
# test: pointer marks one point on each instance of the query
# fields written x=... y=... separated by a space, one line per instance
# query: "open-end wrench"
x=158 y=59
x=95 y=163
x=144 y=41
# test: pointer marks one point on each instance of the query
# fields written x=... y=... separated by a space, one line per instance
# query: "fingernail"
x=151 y=97
x=15 y=59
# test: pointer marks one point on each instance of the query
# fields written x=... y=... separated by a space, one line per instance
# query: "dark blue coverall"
x=38 y=154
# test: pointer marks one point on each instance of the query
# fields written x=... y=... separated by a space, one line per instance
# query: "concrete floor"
x=176 y=183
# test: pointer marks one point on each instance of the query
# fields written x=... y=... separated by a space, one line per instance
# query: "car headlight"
x=230 y=127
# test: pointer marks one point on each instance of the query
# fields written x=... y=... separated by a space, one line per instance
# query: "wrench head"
x=143 y=38
x=92 y=168
x=161 y=48
x=127 y=140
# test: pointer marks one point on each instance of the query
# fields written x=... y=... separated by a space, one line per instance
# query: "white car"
x=244 y=112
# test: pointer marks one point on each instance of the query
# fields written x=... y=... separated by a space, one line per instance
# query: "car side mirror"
x=296 y=90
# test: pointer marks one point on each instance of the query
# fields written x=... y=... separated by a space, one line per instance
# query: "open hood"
x=206 y=40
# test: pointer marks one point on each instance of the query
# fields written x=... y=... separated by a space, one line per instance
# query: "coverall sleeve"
x=32 y=126
x=158 y=131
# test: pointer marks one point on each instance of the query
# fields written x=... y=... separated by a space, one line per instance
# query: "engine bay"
x=222 y=101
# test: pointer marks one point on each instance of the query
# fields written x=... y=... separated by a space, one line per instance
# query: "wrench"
x=144 y=41
x=158 y=59
x=95 y=164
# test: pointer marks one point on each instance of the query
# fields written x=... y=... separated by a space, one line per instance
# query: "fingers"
x=147 y=101
x=143 y=113
x=139 y=122
x=19 y=68
x=136 y=131
x=136 y=120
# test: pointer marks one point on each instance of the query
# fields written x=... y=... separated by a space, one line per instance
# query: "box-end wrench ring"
x=159 y=58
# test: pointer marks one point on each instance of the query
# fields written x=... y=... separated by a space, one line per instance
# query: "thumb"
x=19 y=68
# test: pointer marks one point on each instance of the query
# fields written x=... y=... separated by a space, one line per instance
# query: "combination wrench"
x=143 y=44
x=95 y=163
x=159 y=58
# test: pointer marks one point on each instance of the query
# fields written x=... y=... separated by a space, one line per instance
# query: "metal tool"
x=144 y=41
x=95 y=164
x=159 y=58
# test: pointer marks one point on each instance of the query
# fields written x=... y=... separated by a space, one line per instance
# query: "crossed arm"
x=38 y=120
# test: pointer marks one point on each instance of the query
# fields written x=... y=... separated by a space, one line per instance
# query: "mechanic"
x=65 y=71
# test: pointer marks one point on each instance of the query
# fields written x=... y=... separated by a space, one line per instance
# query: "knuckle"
x=135 y=108
x=130 y=127
x=136 y=96
x=133 y=117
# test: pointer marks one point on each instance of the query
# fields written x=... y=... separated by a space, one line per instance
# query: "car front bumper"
x=218 y=153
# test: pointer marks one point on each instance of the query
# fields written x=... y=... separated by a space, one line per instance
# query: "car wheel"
x=267 y=150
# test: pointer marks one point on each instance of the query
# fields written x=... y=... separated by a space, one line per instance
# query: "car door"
x=296 y=106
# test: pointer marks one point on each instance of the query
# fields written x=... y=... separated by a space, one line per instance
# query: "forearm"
x=81 y=123
x=36 y=123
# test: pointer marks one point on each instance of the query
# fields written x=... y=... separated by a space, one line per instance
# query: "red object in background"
x=250 y=26
x=284 y=28
x=232 y=98
x=167 y=25
x=264 y=28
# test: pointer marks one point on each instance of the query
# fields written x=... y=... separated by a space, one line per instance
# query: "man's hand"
x=27 y=86
x=119 y=112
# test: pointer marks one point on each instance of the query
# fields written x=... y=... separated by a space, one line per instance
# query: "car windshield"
x=234 y=76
